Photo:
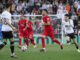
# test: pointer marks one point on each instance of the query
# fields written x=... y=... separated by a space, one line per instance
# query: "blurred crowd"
x=36 y=6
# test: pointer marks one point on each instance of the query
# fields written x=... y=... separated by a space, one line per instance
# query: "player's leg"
x=19 y=42
x=32 y=39
x=54 y=40
x=72 y=36
x=33 y=42
x=43 y=44
x=68 y=40
x=3 y=44
x=43 y=41
x=26 y=41
x=12 y=47
x=44 y=34
x=10 y=37
x=5 y=40
x=20 y=36
x=76 y=44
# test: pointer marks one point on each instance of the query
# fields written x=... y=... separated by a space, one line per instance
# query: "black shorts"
x=7 y=35
x=71 y=35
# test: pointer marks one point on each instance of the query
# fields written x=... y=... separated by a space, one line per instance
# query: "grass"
x=53 y=53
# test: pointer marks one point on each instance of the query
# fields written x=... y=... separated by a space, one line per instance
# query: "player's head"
x=38 y=22
x=66 y=17
x=44 y=12
x=7 y=6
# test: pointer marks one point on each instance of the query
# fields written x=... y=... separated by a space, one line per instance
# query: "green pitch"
x=53 y=53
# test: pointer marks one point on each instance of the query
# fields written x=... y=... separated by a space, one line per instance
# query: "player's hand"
x=40 y=24
x=14 y=28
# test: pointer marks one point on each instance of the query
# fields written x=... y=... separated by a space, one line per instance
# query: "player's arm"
x=7 y=21
x=48 y=23
x=71 y=23
x=26 y=27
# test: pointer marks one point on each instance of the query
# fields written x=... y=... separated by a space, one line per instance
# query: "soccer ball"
x=23 y=48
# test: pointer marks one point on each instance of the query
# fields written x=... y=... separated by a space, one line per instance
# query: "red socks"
x=43 y=43
x=27 y=43
x=56 y=41
x=19 y=41
x=32 y=41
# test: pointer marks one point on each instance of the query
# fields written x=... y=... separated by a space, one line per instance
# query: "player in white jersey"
x=7 y=29
x=68 y=29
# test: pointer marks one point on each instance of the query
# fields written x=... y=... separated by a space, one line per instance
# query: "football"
x=23 y=48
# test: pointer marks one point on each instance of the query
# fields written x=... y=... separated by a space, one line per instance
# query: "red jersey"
x=30 y=26
x=22 y=24
x=45 y=20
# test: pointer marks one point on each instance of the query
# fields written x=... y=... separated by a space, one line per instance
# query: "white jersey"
x=68 y=27
x=6 y=15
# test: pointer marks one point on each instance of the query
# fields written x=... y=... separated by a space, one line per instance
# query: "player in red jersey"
x=21 y=26
x=29 y=33
x=48 y=30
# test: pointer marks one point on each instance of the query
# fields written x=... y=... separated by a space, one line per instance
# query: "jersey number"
x=4 y=21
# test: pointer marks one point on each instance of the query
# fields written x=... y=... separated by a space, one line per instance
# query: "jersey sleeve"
x=4 y=17
x=71 y=23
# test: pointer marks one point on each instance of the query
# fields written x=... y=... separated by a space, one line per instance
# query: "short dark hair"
x=67 y=15
x=7 y=5
x=45 y=10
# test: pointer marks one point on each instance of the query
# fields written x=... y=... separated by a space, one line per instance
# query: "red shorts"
x=21 y=34
x=27 y=34
x=30 y=34
x=48 y=33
